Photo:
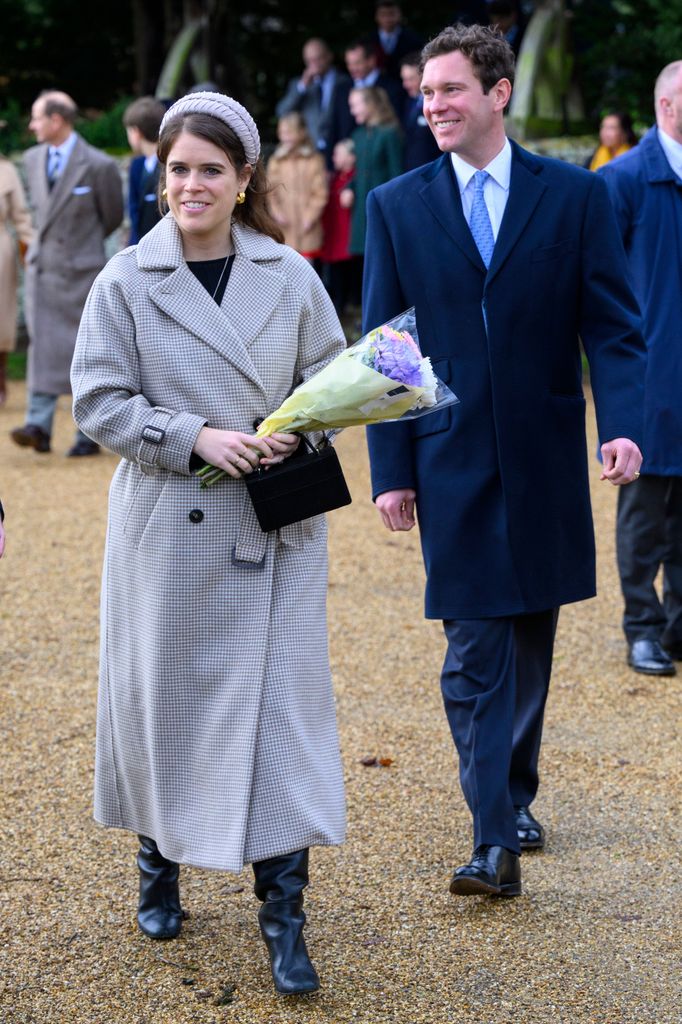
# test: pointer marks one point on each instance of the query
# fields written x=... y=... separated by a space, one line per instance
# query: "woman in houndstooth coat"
x=216 y=737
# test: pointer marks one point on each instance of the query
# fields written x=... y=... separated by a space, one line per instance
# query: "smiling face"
x=202 y=186
x=463 y=119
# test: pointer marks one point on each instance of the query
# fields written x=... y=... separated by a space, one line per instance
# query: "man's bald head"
x=668 y=100
x=52 y=117
x=55 y=102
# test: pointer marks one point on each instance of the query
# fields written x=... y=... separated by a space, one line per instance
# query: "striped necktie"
x=53 y=166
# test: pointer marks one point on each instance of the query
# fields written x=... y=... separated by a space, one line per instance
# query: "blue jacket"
x=502 y=478
x=143 y=209
x=647 y=196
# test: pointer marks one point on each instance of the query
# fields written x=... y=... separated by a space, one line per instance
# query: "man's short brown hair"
x=491 y=56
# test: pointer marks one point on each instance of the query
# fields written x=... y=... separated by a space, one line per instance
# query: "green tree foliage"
x=61 y=44
x=621 y=45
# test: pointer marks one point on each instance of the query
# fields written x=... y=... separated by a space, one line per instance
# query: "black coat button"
x=196 y=515
x=257 y=423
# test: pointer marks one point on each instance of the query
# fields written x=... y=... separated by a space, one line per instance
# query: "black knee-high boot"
x=280 y=882
x=159 y=913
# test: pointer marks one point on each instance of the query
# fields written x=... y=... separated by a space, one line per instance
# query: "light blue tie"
x=479 y=223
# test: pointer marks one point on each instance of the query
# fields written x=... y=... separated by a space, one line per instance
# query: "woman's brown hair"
x=253 y=213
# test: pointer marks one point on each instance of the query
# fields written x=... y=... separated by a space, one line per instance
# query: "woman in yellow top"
x=615 y=138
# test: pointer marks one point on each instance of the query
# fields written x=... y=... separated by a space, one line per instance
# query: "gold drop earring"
x=164 y=193
x=241 y=198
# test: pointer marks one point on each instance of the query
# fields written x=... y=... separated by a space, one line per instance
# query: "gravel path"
x=595 y=937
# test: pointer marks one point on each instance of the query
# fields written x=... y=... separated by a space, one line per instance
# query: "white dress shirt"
x=496 y=188
x=64 y=152
x=672 y=150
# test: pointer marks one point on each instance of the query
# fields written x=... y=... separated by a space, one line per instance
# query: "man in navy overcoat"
x=500 y=481
x=646 y=189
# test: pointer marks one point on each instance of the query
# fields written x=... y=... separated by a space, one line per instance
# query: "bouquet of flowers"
x=383 y=377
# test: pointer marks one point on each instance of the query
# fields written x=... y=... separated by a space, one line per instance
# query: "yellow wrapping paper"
x=344 y=394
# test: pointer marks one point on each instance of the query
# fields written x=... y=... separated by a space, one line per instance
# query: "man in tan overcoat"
x=76 y=195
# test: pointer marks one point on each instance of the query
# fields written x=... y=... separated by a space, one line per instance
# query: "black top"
x=208 y=272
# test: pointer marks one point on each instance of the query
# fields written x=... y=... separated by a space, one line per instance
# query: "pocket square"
x=80 y=190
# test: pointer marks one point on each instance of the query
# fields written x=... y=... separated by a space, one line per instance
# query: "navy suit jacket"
x=143 y=208
x=502 y=478
x=647 y=196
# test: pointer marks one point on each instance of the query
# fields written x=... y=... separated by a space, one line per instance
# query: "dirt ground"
x=594 y=938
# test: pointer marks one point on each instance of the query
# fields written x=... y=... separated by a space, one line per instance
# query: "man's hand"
x=397 y=509
x=622 y=459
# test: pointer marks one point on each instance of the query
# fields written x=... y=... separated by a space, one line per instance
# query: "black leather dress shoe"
x=31 y=436
x=83 y=448
x=493 y=870
x=648 y=656
x=529 y=830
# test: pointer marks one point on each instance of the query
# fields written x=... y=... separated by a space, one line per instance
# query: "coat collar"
x=53 y=201
x=252 y=294
x=655 y=161
x=440 y=193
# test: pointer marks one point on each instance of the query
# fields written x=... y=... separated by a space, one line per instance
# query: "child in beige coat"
x=298 y=177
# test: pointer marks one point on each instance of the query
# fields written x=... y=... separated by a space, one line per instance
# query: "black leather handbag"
x=306 y=484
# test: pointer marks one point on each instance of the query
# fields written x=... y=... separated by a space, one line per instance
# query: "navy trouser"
x=648 y=535
x=494 y=683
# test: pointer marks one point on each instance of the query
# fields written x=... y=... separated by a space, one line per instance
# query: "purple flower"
x=397 y=358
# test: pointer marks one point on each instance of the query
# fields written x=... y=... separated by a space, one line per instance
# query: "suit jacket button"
x=196 y=515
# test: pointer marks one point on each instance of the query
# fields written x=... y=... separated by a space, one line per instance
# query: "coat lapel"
x=67 y=180
x=253 y=291
x=525 y=191
x=441 y=195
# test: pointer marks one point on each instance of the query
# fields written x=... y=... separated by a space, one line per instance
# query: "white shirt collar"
x=66 y=147
x=499 y=168
x=672 y=150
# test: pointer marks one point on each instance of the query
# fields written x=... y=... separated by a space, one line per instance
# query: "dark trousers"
x=648 y=536
x=343 y=281
x=494 y=683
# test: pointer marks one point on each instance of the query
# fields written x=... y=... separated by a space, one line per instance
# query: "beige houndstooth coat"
x=216 y=721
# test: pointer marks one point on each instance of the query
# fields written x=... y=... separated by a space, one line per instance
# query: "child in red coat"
x=341 y=271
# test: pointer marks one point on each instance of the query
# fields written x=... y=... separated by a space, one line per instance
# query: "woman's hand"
x=283 y=445
x=235 y=452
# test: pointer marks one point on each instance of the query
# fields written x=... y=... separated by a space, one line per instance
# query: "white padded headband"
x=225 y=109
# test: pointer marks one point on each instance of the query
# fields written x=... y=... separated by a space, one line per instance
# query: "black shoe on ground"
x=648 y=656
x=31 y=436
x=83 y=448
x=493 y=870
x=674 y=651
x=529 y=830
